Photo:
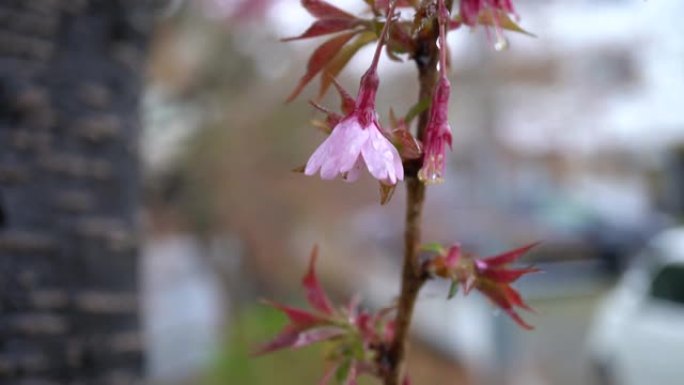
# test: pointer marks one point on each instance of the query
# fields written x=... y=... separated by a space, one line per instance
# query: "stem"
x=413 y=278
x=443 y=19
x=383 y=37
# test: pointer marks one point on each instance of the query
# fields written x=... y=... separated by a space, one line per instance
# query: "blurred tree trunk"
x=70 y=81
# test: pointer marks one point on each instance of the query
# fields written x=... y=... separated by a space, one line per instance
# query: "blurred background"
x=574 y=138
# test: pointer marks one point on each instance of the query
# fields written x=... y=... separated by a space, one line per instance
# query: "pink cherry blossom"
x=352 y=145
x=357 y=140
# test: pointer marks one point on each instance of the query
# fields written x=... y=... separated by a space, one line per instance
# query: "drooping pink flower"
x=491 y=13
x=438 y=135
x=472 y=10
x=357 y=140
x=438 y=131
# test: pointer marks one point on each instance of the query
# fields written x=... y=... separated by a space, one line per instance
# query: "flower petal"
x=339 y=152
x=381 y=157
x=353 y=174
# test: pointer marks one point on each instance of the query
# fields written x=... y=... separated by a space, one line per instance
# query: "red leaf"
x=384 y=4
x=505 y=297
x=300 y=318
x=506 y=275
x=335 y=66
x=515 y=298
x=316 y=335
x=314 y=292
x=283 y=340
x=320 y=57
x=516 y=317
x=348 y=103
x=509 y=256
x=325 y=27
x=297 y=338
x=323 y=10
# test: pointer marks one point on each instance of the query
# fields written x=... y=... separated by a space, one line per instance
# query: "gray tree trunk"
x=70 y=79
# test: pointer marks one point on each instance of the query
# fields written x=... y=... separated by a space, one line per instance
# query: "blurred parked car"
x=637 y=337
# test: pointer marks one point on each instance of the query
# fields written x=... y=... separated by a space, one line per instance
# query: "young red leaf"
x=299 y=317
x=503 y=297
x=325 y=27
x=315 y=294
x=293 y=338
x=323 y=10
x=348 y=103
x=509 y=256
x=507 y=275
x=283 y=340
x=320 y=57
x=384 y=4
x=334 y=66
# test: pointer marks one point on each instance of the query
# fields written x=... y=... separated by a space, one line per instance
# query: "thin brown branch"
x=413 y=278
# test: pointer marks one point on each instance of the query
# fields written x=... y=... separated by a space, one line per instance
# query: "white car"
x=637 y=337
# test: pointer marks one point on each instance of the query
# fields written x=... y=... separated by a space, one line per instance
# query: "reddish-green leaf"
x=315 y=294
x=298 y=317
x=325 y=27
x=320 y=57
x=323 y=10
x=334 y=66
x=507 y=275
x=509 y=256
x=348 y=103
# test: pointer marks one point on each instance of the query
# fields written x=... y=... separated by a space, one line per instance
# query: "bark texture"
x=70 y=80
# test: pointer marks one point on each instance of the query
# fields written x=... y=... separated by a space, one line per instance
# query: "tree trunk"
x=70 y=79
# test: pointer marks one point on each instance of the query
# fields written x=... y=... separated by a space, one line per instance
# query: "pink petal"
x=339 y=152
x=355 y=172
x=314 y=292
x=381 y=157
